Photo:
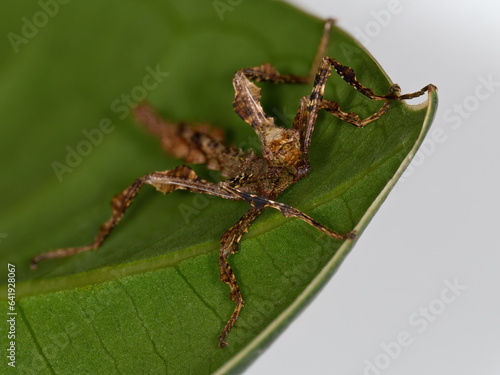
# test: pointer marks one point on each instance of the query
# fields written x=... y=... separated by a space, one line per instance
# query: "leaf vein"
x=143 y=323
x=32 y=334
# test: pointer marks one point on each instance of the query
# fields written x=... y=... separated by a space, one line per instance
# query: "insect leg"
x=352 y=118
x=182 y=178
x=348 y=75
x=287 y=211
x=229 y=245
x=309 y=106
x=247 y=95
x=267 y=73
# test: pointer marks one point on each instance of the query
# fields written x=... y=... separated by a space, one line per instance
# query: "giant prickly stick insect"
x=258 y=180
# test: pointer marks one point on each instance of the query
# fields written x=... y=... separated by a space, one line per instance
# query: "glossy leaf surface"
x=150 y=300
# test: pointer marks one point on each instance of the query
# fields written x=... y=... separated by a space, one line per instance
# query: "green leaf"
x=150 y=299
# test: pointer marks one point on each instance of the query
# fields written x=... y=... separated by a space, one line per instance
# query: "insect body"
x=258 y=180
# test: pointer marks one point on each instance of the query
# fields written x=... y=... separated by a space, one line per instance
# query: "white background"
x=439 y=224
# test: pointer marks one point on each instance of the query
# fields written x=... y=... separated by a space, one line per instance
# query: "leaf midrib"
x=110 y=273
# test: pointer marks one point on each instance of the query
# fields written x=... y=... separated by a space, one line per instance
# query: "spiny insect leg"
x=352 y=118
x=247 y=95
x=183 y=178
x=267 y=73
x=348 y=75
x=287 y=211
x=229 y=245
x=119 y=204
x=309 y=106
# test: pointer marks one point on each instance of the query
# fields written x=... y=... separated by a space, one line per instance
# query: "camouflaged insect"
x=256 y=179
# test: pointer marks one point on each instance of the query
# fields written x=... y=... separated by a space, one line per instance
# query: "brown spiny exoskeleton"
x=250 y=177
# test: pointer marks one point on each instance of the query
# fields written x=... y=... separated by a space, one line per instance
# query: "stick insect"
x=249 y=177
